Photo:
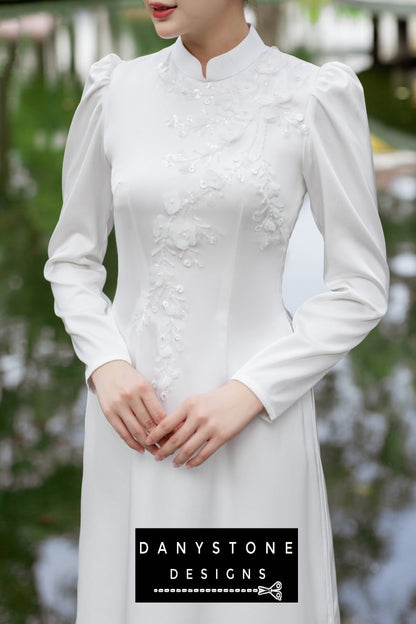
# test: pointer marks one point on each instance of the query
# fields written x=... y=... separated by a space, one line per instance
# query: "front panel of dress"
x=205 y=199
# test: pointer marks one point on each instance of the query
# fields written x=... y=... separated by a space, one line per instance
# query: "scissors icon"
x=273 y=590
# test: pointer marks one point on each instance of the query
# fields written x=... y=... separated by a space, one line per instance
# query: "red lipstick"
x=161 y=10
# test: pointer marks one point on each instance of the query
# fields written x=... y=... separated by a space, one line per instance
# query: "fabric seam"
x=311 y=100
x=324 y=519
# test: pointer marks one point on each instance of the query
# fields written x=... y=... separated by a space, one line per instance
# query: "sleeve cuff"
x=268 y=414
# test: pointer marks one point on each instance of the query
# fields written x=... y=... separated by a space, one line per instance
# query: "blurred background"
x=366 y=406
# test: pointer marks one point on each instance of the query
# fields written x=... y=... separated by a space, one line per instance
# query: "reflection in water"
x=404 y=264
x=56 y=576
x=403 y=187
x=391 y=583
x=366 y=405
x=396 y=320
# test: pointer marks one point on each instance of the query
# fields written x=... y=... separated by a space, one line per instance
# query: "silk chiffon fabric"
x=203 y=179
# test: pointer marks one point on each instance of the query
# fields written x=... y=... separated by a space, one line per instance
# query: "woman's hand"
x=129 y=403
x=213 y=417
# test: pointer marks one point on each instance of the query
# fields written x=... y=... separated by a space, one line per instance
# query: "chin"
x=166 y=31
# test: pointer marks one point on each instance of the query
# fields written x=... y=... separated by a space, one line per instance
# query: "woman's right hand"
x=129 y=403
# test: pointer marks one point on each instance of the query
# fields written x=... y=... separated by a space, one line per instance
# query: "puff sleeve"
x=339 y=176
x=79 y=241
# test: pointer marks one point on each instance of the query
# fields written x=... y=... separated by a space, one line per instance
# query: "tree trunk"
x=403 y=53
x=376 y=23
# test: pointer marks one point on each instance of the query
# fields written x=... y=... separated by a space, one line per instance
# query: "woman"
x=200 y=156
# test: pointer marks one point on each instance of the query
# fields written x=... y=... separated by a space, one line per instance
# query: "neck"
x=218 y=37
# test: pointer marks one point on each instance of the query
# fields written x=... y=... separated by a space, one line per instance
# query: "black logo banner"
x=216 y=565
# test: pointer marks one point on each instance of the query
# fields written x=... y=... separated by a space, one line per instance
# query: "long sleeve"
x=339 y=177
x=79 y=241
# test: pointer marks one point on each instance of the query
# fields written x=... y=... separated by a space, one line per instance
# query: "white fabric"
x=203 y=179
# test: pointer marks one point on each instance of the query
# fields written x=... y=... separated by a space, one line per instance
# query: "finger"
x=155 y=410
x=136 y=430
x=165 y=438
x=168 y=435
x=179 y=437
x=140 y=409
x=142 y=414
x=206 y=451
x=193 y=444
x=125 y=434
x=167 y=425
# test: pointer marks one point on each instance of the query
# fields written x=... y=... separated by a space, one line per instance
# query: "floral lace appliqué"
x=227 y=108
x=179 y=236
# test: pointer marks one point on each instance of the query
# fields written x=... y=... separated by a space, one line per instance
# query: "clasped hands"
x=204 y=421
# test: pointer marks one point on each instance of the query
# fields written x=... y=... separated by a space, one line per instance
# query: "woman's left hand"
x=213 y=417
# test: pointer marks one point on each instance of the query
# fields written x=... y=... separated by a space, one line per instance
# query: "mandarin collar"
x=222 y=66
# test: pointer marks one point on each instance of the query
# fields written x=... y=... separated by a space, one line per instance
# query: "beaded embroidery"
x=227 y=108
x=178 y=235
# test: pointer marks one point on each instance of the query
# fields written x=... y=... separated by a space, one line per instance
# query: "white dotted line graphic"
x=203 y=589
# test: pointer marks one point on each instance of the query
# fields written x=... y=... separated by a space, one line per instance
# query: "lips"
x=162 y=10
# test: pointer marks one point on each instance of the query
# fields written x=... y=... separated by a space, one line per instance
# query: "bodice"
x=203 y=180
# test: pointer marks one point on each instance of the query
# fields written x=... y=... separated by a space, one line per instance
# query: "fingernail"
x=149 y=440
x=189 y=466
x=141 y=451
x=158 y=458
x=176 y=465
